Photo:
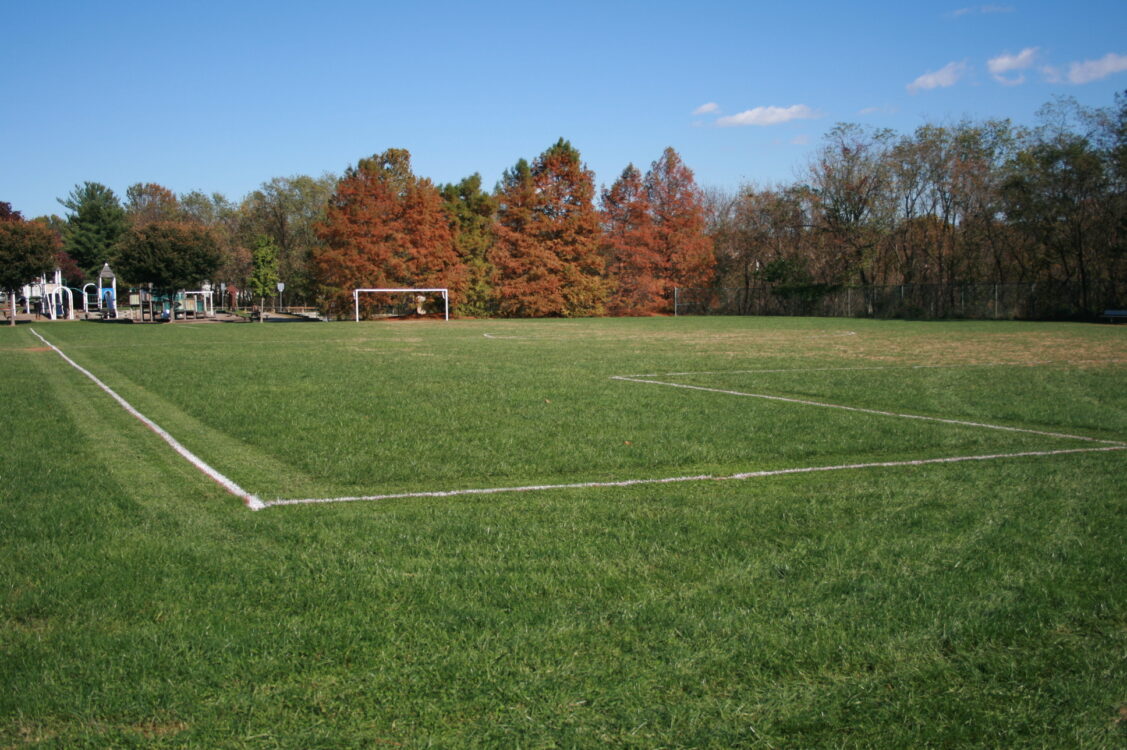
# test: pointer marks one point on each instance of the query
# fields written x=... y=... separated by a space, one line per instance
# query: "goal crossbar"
x=443 y=291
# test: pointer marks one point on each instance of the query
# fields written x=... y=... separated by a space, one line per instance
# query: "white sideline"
x=696 y=478
x=249 y=499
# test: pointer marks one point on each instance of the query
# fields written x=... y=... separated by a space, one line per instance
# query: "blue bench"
x=1113 y=315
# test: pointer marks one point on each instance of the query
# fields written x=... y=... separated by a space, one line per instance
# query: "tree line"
x=946 y=205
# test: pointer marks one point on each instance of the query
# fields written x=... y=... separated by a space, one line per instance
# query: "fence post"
x=676 y=295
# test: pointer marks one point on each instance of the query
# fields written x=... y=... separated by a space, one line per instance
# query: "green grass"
x=973 y=604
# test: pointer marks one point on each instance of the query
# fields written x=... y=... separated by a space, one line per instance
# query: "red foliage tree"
x=546 y=259
x=655 y=236
x=146 y=203
x=677 y=207
x=385 y=227
x=633 y=262
x=27 y=249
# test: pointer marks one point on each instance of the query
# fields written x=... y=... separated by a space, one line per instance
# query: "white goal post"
x=443 y=291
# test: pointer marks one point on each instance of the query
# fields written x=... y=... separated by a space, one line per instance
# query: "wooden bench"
x=1112 y=316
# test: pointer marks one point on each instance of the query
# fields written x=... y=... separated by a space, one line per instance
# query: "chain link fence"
x=1025 y=301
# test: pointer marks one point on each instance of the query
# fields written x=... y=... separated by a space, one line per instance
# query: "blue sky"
x=221 y=97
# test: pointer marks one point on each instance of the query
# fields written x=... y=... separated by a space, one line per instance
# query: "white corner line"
x=697 y=478
x=250 y=500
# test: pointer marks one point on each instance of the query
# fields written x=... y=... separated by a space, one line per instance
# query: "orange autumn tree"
x=629 y=246
x=148 y=203
x=385 y=227
x=546 y=257
x=677 y=209
x=654 y=236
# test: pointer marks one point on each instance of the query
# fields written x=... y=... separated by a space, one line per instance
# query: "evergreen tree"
x=473 y=211
x=94 y=225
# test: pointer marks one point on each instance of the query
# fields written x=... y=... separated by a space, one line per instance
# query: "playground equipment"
x=89 y=298
x=54 y=298
x=200 y=302
x=145 y=305
x=107 y=292
x=197 y=303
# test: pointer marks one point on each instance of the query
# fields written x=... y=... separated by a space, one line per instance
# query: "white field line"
x=250 y=500
x=863 y=410
x=695 y=478
x=1110 y=445
x=550 y=337
x=860 y=368
x=254 y=503
x=799 y=370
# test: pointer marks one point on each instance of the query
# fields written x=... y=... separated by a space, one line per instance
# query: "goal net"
x=404 y=302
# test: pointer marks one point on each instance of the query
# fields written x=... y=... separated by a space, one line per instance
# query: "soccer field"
x=689 y=532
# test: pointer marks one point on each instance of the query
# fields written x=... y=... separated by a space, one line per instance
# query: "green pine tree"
x=94 y=225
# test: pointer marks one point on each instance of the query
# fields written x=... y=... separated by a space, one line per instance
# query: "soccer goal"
x=416 y=299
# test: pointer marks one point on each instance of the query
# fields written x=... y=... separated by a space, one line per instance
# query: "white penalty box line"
x=651 y=380
x=1105 y=446
x=253 y=502
x=694 y=478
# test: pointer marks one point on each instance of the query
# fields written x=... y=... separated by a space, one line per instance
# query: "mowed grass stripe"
x=390 y=409
x=974 y=604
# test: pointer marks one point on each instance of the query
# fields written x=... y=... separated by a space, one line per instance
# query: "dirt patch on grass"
x=154 y=729
x=34 y=734
x=897 y=345
x=1021 y=349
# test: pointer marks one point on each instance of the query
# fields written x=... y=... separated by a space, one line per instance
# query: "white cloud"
x=1002 y=64
x=800 y=140
x=885 y=110
x=1094 y=70
x=946 y=76
x=707 y=109
x=769 y=116
x=982 y=9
